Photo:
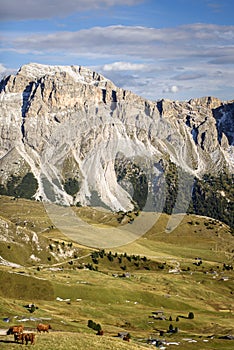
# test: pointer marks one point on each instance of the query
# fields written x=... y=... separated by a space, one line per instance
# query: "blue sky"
x=176 y=49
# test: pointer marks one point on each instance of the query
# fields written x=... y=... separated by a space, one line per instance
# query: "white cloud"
x=35 y=9
x=148 y=61
x=174 y=89
x=5 y=71
x=124 y=66
x=2 y=69
x=194 y=41
x=171 y=89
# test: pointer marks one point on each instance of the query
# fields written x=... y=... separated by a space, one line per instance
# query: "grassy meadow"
x=186 y=270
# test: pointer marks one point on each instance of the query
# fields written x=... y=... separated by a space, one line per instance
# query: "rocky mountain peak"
x=208 y=102
x=80 y=136
x=79 y=74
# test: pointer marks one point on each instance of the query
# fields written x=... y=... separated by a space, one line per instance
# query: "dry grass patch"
x=72 y=341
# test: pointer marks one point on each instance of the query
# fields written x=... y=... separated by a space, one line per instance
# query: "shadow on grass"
x=8 y=341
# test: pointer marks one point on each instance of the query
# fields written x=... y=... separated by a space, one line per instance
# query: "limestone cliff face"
x=72 y=128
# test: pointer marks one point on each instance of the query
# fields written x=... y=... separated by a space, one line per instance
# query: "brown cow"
x=43 y=327
x=29 y=337
x=15 y=329
x=127 y=337
x=19 y=337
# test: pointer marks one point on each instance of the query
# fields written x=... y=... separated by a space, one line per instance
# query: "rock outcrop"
x=73 y=129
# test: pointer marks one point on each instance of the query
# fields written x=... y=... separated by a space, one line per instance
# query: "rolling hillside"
x=188 y=270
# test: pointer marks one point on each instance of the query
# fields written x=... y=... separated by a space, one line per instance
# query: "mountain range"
x=71 y=137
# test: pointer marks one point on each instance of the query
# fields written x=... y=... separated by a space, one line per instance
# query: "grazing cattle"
x=100 y=332
x=29 y=337
x=19 y=337
x=126 y=338
x=15 y=329
x=43 y=327
x=24 y=338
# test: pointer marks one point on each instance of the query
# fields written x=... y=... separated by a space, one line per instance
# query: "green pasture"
x=162 y=275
